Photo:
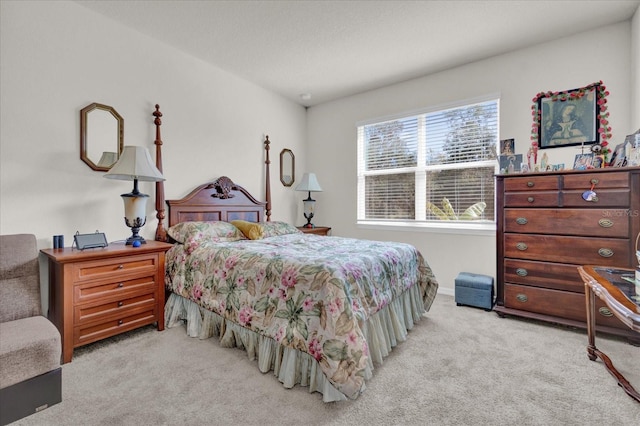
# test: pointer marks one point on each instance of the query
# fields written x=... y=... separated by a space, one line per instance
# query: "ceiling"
x=316 y=51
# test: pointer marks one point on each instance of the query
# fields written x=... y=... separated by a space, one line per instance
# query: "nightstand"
x=98 y=293
x=318 y=230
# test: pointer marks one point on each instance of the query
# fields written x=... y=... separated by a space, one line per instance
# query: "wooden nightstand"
x=318 y=230
x=98 y=293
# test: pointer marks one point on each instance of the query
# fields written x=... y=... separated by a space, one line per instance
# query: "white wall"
x=58 y=57
x=601 y=54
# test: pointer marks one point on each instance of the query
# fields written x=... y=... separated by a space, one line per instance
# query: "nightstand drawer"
x=114 y=267
x=112 y=290
x=97 y=331
x=89 y=313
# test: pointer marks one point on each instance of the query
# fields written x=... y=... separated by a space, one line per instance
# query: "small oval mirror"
x=101 y=136
x=287 y=167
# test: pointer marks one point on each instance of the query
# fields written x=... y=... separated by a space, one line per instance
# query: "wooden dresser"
x=98 y=293
x=545 y=229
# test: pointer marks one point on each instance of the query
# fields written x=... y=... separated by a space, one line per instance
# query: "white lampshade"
x=309 y=183
x=135 y=164
x=108 y=159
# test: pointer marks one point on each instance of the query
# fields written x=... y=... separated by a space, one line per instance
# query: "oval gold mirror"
x=287 y=167
x=101 y=136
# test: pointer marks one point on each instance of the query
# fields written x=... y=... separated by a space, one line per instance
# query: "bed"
x=318 y=311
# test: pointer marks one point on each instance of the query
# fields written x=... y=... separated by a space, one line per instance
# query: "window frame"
x=422 y=225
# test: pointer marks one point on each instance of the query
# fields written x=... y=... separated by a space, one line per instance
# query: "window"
x=433 y=167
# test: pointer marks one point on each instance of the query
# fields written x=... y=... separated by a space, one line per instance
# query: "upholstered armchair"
x=30 y=346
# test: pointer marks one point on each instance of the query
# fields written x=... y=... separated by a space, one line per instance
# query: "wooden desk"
x=622 y=298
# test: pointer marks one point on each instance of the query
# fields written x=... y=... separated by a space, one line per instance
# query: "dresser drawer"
x=92 y=332
x=584 y=181
x=594 y=222
x=531 y=199
x=115 y=267
x=113 y=290
x=556 y=303
x=573 y=250
x=100 y=312
x=532 y=183
x=557 y=276
x=604 y=198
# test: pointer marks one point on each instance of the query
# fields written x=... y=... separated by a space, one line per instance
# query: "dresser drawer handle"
x=605 y=223
x=605 y=312
x=595 y=181
x=530 y=184
x=120 y=322
x=522 y=221
x=521 y=297
x=521 y=246
x=530 y=199
x=120 y=285
x=605 y=252
x=120 y=304
x=120 y=266
x=522 y=272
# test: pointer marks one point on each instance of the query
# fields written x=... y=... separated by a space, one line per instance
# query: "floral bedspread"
x=308 y=292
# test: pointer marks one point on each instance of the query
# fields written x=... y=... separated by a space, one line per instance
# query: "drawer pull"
x=605 y=252
x=120 y=266
x=521 y=297
x=120 y=285
x=522 y=272
x=605 y=312
x=530 y=199
x=522 y=221
x=605 y=223
x=594 y=181
x=521 y=246
x=530 y=184
x=120 y=322
x=120 y=304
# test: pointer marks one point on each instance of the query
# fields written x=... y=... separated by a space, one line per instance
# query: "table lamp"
x=309 y=183
x=135 y=164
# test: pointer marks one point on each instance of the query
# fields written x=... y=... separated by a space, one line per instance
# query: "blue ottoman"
x=474 y=290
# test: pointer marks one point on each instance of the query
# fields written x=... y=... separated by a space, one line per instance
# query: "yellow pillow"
x=251 y=230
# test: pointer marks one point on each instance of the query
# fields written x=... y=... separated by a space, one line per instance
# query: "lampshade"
x=309 y=183
x=135 y=163
x=107 y=159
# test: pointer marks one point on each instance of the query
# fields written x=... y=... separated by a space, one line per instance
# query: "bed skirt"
x=383 y=331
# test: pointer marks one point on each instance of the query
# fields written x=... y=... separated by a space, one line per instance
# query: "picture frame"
x=583 y=161
x=510 y=163
x=571 y=117
x=598 y=161
x=618 y=156
x=507 y=147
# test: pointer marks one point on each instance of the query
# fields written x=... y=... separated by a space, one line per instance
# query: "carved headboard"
x=221 y=200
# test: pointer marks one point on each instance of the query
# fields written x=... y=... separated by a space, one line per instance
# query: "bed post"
x=268 y=180
x=161 y=233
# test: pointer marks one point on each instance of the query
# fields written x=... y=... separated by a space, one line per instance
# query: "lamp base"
x=309 y=217
x=135 y=228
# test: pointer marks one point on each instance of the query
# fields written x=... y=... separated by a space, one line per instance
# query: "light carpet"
x=460 y=366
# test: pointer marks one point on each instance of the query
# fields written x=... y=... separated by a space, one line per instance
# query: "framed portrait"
x=598 y=161
x=510 y=163
x=568 y=120
x=507 y=147
x=583 y=161
x=572 y=117
x=619 y=156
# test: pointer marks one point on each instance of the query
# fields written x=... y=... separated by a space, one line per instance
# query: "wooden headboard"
x=221 y=199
